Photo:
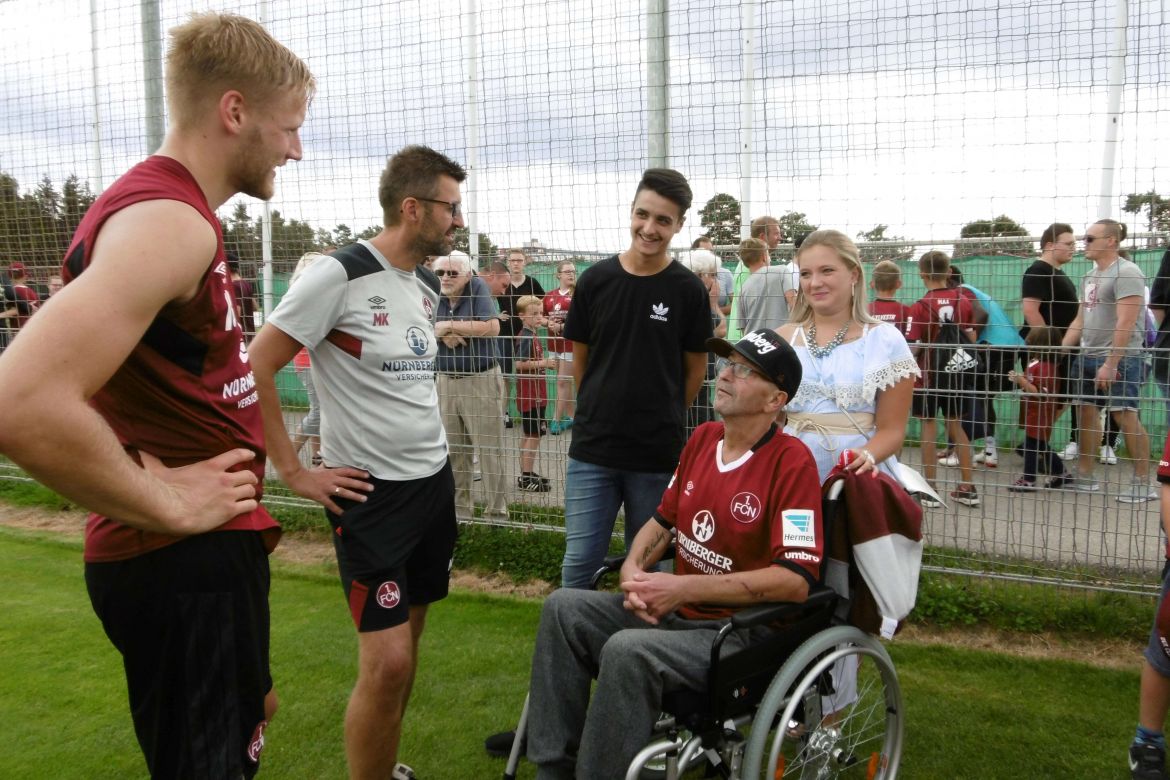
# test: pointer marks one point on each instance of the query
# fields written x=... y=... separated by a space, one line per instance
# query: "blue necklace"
x=820 y=352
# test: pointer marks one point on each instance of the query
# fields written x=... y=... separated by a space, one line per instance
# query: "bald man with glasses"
x=1109 y=371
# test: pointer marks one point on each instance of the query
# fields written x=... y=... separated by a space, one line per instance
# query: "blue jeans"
x=592 y=496
x=1123 y=394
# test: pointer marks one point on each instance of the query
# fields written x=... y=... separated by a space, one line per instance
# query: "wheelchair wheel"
x=810 y=729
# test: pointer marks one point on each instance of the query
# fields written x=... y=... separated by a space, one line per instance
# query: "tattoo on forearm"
x=658 y=539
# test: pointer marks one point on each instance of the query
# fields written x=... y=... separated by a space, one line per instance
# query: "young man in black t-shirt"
x=1049 y=297
x=638 y=327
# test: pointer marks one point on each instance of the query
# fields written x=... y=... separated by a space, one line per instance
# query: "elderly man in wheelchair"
x=744 y=515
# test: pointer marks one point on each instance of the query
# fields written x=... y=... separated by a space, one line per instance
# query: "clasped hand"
x=651 y=595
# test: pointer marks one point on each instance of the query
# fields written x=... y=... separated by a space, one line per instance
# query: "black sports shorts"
x=927 y=403
x=531 y=421
x=394 y=549
x=191 y=622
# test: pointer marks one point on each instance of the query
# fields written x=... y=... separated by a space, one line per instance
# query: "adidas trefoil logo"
x=658 y=311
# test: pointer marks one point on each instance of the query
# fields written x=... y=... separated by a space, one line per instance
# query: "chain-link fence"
x=962 y=127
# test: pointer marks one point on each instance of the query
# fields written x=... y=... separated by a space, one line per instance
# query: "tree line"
x=36 y=227
x=721 y=219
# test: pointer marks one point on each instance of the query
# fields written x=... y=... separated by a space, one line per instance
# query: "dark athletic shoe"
x=966 y=494
x=1147 y=762
x=500 y=745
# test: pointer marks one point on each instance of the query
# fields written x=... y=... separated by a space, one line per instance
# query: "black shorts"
x=926 y=404
x=394 y=550
x=532 y=420
x=191 y=622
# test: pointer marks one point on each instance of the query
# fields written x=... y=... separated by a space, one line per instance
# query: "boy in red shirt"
x=886 y=280
x=940 y=305
x=531 y=392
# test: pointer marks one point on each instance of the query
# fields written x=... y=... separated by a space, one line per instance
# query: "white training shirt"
x=370 y=332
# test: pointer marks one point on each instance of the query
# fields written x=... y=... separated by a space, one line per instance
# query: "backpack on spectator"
x=954 y=363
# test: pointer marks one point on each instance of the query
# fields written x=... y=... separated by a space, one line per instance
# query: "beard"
x=430 y=240
x=251 y=173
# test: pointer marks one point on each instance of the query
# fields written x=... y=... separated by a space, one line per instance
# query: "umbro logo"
x=658 y=311
x=222 y=269
x=376 y=302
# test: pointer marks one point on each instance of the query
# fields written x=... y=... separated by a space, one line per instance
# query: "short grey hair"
x=458 y=260
x=700 y=261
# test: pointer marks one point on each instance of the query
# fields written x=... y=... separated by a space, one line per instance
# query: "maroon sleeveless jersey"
x=186 y=392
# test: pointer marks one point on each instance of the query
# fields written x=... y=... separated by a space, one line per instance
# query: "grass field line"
x=970 y=712
x=305 y=555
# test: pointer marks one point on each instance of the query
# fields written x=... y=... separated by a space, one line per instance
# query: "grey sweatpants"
x=585 y=634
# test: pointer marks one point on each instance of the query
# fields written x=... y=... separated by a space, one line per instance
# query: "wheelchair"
x=785 y=707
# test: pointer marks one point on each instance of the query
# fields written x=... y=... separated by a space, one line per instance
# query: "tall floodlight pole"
x=1116 y=81
x=267 y=299
x=471 y=123
x=657 y=83
x=748 y=14
x=152 y=74
x=96 y=135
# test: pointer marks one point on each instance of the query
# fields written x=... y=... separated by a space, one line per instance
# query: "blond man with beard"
x=149 y=395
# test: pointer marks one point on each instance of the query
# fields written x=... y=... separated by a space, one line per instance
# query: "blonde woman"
x=858 y=372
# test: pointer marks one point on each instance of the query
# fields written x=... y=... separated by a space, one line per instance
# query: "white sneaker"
x=988 y=459
x=1107 y=456
x=1070 y=452
x=1139 y=492
x=951 y=460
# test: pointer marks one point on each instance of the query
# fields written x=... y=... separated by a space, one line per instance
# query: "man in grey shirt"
x=763 y=299
x=1109 y=327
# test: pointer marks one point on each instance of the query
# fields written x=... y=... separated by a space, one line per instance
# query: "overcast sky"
x=921 y=115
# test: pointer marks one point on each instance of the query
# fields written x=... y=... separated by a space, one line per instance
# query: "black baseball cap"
x=765 y=350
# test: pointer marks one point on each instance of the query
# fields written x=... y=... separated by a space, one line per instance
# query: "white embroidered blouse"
x=848 y=379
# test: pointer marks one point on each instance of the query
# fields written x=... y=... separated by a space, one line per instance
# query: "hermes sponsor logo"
x=799 y=530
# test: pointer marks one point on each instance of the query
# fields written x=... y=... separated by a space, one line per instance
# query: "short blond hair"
x=759 y=226
x=524 y=301
x=752 y=250
x=886 y=276
x=212 y=53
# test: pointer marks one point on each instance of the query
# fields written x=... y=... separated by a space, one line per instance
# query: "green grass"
x=62 y=695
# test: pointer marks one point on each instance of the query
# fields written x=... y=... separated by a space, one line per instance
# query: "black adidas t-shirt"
x=631 y=410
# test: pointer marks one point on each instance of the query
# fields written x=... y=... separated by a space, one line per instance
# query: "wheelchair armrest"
x=818 y=596
x=610 y=564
